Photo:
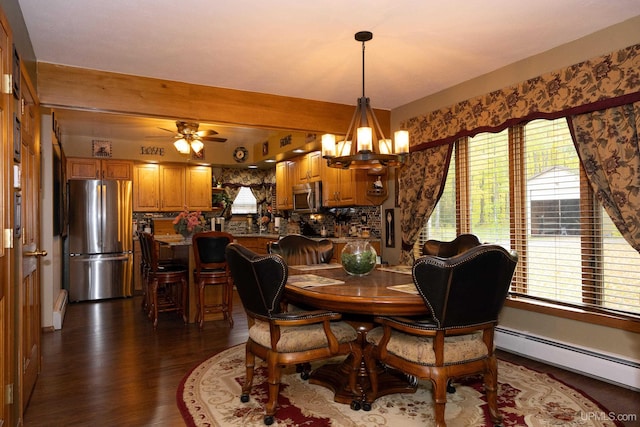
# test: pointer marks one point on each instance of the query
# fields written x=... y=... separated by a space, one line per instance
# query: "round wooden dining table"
x=386 y=291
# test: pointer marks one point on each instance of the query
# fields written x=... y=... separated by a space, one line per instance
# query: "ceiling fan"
x=188 y=137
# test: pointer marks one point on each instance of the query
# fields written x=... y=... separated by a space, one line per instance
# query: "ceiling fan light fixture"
x=357 y=150
x=197 y=145
x=182 y=146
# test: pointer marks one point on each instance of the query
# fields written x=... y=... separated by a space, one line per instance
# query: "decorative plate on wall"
x=240 y=154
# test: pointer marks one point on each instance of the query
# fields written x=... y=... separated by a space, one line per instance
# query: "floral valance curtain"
x=607 y=143
x=259 y=181
x=604 y=82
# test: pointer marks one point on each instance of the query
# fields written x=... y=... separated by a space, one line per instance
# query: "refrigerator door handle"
x=102 y=258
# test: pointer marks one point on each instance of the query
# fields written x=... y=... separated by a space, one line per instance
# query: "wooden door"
x=146 y=188
x=29 y=291
x=198 y=190
x=172 y=188
x=7 y=364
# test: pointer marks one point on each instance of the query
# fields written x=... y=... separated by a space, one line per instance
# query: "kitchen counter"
x=333 y=239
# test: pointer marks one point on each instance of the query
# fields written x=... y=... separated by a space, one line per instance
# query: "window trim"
x=588 y=315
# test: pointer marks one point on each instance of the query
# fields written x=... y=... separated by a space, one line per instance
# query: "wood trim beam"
x=61 y=86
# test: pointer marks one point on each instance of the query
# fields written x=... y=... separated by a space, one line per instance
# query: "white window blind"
x=574 y=253
x=488 y=198
x=245 y=202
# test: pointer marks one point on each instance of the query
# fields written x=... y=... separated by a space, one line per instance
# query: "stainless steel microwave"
x=307 y=198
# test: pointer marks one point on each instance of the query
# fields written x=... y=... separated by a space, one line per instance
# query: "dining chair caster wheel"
x=244 y=398
x=268 y=420
x=355 y=405
x=450 y=387
x=366 y=406
x=304 y=375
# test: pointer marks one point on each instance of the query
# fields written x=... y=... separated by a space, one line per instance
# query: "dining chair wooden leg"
x=491 y=389
x=439 y=398
x=200 y=311
x=274 y=374
x=250 y=362
x=184 y=299
x=228 y=301
x=153 y=311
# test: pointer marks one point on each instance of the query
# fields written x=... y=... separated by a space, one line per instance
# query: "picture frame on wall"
x=100 y=148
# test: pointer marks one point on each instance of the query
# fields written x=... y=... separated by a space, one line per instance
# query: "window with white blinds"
x=574 y=252
x=569 y=250
x=245 y=202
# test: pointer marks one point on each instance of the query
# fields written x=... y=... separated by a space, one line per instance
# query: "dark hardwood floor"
x=108 y=367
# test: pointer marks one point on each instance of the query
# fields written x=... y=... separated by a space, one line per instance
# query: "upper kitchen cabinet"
x=146 y=187
x=309 y=167
x=285 y=176
x=339 y=187
x=90 y=168
x=198 y=194
x=353 y=187
x=158 y=188
x=172 y=188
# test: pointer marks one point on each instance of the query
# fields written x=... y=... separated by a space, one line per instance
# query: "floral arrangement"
x=189 y=222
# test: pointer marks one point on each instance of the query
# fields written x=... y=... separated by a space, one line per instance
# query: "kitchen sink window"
x=245 y=202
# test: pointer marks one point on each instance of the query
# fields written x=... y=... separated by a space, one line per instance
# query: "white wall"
x=51 y=265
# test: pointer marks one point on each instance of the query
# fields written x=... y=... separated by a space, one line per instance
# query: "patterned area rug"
x=209 y=395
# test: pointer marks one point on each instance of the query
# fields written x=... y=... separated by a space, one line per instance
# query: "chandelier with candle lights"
x=358 y=150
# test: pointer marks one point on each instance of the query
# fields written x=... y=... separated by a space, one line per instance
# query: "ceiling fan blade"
x=213 y=139
x=206 y=132
x=168 y=130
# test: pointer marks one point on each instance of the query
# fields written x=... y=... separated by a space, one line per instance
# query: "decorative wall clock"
x=240 y=154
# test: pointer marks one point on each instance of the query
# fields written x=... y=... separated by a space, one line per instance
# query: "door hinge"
x=8 y=398
x=7 y=242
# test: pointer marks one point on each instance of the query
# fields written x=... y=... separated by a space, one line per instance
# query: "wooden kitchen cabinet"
x=285 y=171
x=146 y=187
x=309 y=167
x=339 y=187
x=90 y=168
x=171 y=187
x=198 y=190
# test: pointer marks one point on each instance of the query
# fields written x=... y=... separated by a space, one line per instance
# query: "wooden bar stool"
x=212 y=270
x=166 y=285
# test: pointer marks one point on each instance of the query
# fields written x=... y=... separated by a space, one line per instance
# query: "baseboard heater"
x=588 y=362
x=59 y=308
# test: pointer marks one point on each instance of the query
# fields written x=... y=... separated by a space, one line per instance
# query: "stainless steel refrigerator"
x=100 y=239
